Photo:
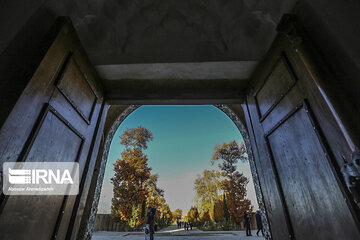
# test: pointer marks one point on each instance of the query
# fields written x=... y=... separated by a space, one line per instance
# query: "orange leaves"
x=131 y=172
x=177 y=215
x=205 y=216
x=193 y=214
x=218 y=213
x=135 y=188
x=228 y=180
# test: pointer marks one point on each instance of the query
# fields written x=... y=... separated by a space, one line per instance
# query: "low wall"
x=104 y=222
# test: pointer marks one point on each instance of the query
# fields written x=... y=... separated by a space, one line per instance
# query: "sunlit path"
x=173 y=233
x=173 y=230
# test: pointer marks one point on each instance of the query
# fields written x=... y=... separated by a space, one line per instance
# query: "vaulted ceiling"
x=148 y=31
x=139 y=46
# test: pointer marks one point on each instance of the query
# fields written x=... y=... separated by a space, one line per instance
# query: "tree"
x=134 y=217
x=155 y=196
x=208 y=189
x=177 y=215
x=233 y=183
x=225 y=209
x=155 y=199
x=218 y=211
x=237 y=201
x=193 y=214
x=230 y=153
x=143 y=210
x=131 y=174
x=152 y=189
x=205 y=216
x=136 y=138
x=135 y=188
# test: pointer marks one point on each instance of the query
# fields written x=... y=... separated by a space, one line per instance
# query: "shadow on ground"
x=173 y=233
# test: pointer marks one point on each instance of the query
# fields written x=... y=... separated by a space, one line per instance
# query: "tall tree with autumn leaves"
x=131 y=175
x=233 y=182
x=156 y=199
x=222 y=194
x=135 y=188
x=177 y=215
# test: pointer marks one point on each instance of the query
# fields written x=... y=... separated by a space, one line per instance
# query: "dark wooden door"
x=57 y=118
x=299 y=148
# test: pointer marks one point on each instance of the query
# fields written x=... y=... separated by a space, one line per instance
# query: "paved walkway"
x=173 y=233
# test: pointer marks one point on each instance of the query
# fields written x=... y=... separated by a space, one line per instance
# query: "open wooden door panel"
x=299 y=146
x=57 y=119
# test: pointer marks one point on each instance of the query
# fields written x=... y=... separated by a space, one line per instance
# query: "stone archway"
x=119 y=115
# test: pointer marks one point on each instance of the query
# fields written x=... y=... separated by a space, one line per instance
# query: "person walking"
x=259 y=223
x=150 y=222
x=247 y=224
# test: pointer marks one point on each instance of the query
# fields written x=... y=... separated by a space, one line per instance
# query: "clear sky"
x=183 y=142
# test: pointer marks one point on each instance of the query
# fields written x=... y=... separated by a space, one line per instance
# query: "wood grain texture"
x=76 y=89
x=311 y=194
x=47 y=124
x=299 y=151
x=275 y=87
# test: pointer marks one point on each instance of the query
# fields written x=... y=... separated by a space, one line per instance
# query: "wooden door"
x=57 y=118
x=299 y=148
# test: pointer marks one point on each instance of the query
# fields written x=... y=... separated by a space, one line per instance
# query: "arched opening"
x=300 y=101
x=119 y=113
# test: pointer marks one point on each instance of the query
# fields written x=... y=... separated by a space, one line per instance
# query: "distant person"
x=247 y=224
x=187 y=225
x=184 y=225
x=150 y=222
x=147 y=231
x=191 y=225
x=259 y=223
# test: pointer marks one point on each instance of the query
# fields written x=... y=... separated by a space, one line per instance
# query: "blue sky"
x=184 y=139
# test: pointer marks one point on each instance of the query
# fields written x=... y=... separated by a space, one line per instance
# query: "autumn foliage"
x=135 y=188
x=222 y=193
x=193 y=215
x=177 y=215
x=204 y=216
